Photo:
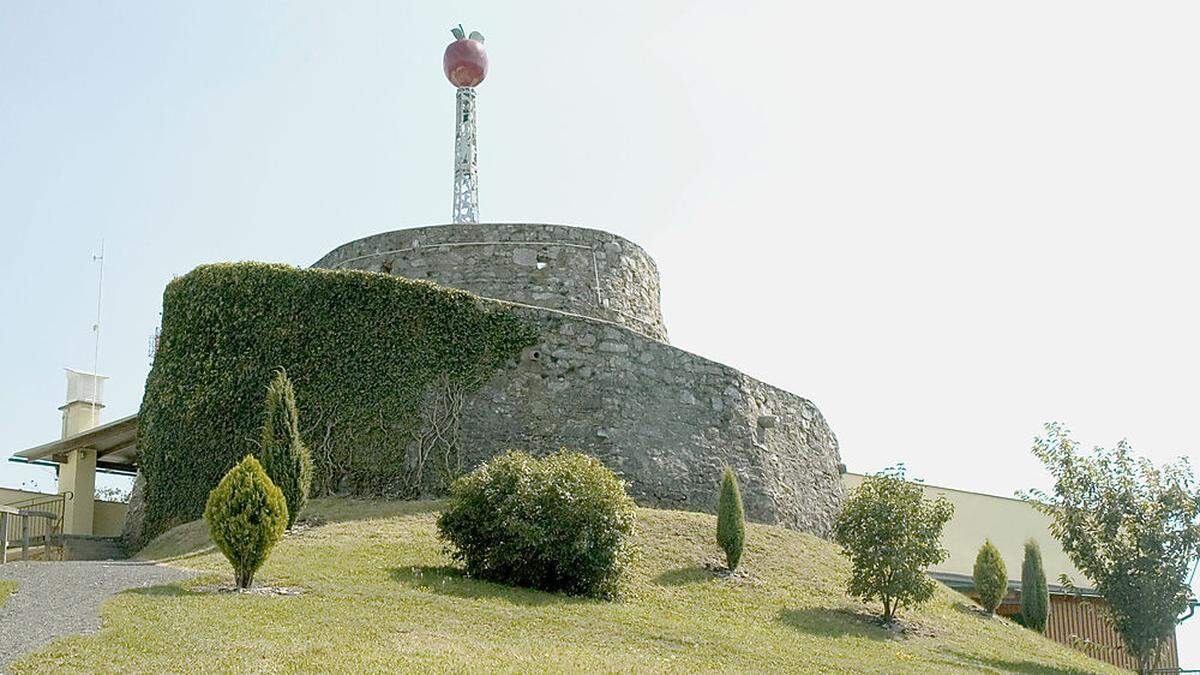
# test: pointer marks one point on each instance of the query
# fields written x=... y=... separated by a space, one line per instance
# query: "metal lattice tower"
x=465 y=64
x=466 y=169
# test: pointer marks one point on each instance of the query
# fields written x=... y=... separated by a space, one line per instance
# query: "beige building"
x=72 y=517
x=1009 y=523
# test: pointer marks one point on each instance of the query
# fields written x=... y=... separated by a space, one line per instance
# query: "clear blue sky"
x=944 y=222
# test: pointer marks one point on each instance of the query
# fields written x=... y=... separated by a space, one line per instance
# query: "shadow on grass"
x=167 y=591
x=189 y=540
x=834 y=623
x=971 y=609
x=446 y=580
x=1013 y=665
x=344 y=509
x=683 y=576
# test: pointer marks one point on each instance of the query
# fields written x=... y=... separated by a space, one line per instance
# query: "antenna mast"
x=97 y=257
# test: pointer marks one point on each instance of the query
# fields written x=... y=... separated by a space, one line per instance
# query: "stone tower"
x=602 y=378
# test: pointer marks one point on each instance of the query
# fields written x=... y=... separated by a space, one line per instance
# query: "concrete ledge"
x=85 y=547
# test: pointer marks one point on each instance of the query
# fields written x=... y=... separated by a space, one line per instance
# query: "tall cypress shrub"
x=1035 y=595
x=284 y=456
x=991 y=579
x=731 y=519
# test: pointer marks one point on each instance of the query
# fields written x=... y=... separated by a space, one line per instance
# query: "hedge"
x=365 y=352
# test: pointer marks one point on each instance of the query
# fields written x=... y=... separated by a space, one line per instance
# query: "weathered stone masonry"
x=664 y=419
x=573 y=269
x=602 y=380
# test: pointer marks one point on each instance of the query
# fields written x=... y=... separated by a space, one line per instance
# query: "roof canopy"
x=115 y=444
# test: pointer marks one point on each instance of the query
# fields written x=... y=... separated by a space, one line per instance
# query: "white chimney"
x=85 y=398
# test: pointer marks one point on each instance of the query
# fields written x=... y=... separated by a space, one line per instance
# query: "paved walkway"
x=63 y=598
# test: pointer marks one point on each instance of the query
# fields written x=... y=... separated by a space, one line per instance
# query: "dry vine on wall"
x=437 y=443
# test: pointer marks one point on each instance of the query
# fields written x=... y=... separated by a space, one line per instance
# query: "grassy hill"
x=380 y=594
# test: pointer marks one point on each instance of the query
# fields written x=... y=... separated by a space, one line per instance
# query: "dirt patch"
x=905 y=627
x=740 y=576
x=304 y=526
x=253 y=590
x=898 y=627
x=974 y=610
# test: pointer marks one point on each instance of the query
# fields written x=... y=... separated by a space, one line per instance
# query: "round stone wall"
x=570 y=269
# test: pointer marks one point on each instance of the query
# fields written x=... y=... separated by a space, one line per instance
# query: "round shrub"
x=560 y=523
x=991 y=579
x=246 y=515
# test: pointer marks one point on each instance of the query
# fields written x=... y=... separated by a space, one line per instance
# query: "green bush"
x=246 y=515
x=284 y=455
x=891 y=533
x=731 y=519
x=560 y=523
x=991 y=579
x=1035 y=595
x=363 y=350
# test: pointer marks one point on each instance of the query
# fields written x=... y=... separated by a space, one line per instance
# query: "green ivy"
x=363 y=351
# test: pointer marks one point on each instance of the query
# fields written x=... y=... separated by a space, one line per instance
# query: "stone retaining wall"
x=663 y=418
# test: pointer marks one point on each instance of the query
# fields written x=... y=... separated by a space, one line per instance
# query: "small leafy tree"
x=731 y=520
x=246 y=515
x=991 y=578
x=1035 y=595
x=1130 y=527
x=891 y=534
x=284 y=456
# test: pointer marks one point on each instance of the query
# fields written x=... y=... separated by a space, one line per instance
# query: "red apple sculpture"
x=465 y=61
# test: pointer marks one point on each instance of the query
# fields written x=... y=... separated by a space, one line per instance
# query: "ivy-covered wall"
x=380 y=364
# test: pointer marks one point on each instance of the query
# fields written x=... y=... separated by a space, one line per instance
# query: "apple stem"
x=458 y=32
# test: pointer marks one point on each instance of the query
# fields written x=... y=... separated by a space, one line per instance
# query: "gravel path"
x=62 y=598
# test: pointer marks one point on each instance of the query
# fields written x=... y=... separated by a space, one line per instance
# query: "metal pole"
x=466 y=170
x=3 y=538
x=24 y=537
x=96 y=329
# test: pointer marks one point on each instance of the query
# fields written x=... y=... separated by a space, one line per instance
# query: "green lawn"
x=382 y=596
x=6 y=589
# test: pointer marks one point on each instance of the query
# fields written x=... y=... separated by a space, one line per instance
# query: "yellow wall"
x=108 y=520
x=1008 y=522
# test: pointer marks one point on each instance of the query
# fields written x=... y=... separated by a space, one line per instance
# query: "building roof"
x=965 y=583
x=115 y=444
